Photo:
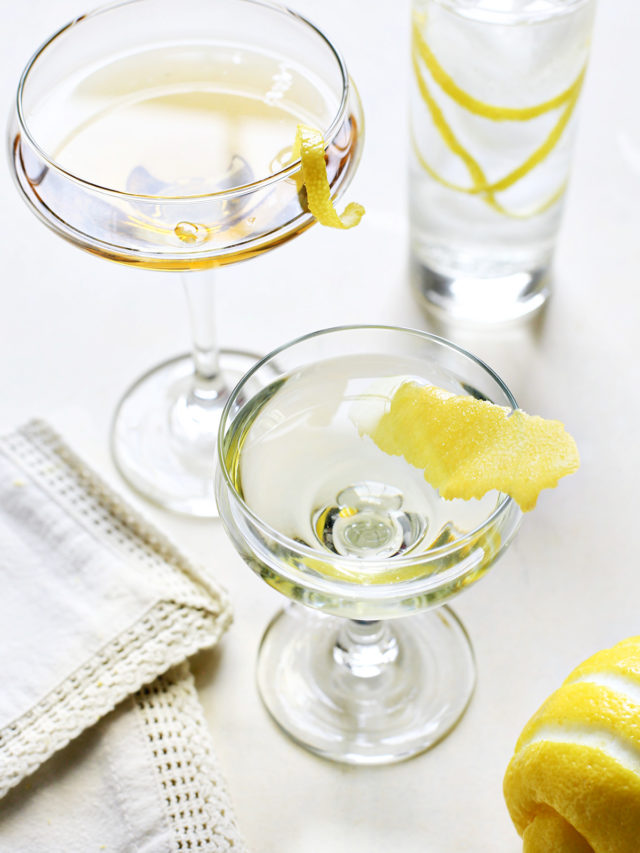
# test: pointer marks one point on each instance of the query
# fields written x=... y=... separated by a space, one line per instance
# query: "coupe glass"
x=160 y=134
x=374 y=667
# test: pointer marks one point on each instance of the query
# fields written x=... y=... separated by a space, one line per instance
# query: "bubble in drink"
x=189 y=232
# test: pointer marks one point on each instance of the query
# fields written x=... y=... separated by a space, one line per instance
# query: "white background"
x=75 y=331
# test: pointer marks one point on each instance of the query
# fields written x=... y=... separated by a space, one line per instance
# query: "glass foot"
x=366 y=693
x=480 y=299
x=164 y=433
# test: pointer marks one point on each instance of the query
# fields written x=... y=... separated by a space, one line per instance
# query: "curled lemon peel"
x=421 y=52
x=466 y=447
x=572 y=785
x=309 y=147
x=473 y=105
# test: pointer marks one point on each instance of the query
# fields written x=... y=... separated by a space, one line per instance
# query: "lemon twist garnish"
x=466 y=446
x=573 y=784
x=309 y=147
x=421 y=52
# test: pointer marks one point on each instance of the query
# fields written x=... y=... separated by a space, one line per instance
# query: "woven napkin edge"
x=169 y=631
x=37 y=431
x=207 y=819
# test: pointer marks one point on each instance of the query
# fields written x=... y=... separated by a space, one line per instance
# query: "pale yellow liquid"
x=306 y=436
x=181 y=123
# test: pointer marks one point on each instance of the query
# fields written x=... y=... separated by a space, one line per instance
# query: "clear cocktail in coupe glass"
x=160 y=134
x=373 y=668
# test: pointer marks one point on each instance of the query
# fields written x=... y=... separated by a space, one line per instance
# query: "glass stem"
x=365 y=648
x=208 y=382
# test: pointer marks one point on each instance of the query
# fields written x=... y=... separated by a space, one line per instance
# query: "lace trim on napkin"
x=195 y=798
x=192 y=614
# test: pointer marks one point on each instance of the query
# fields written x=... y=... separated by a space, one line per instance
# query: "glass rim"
x=507 y=15
x=234 y=192
x=421 y=583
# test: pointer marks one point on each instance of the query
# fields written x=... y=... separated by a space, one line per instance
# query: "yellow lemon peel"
x=572 y=785
x=475 y=106
x=309 y=147
x=486 y=190
x=467 y=447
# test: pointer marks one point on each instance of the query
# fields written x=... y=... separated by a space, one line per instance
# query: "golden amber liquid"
x=156 y=137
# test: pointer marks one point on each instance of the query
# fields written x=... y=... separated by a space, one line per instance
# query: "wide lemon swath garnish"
x=309 y=147
x=466 y=446
x=573 y=784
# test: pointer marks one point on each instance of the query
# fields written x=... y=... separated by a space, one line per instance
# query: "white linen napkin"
x=94 y=604
x=143 y=779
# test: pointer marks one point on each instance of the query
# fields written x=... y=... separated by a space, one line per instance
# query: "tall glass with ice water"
x=494 y=96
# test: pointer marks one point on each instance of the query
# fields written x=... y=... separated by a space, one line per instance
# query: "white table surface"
x=75 y=331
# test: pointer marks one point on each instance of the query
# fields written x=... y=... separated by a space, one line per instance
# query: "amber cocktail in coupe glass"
x=160 y=134
x=365 y=666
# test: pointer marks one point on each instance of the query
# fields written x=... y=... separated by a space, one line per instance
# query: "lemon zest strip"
x=310 y=148
x=475 y=106
x=512 y=214
x=480 y=184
